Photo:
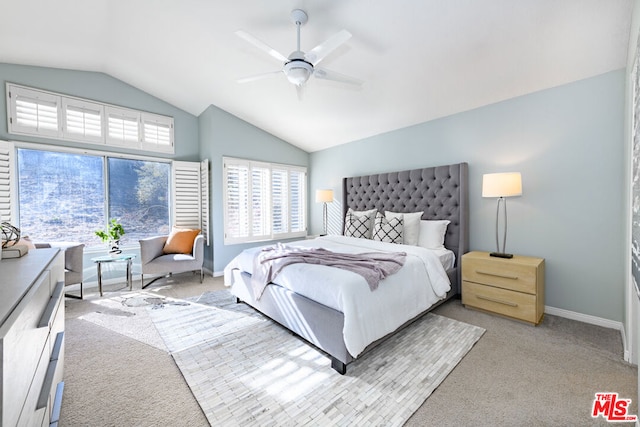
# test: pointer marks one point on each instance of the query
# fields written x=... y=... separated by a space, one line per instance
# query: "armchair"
x=73 y=264
x=154 y=261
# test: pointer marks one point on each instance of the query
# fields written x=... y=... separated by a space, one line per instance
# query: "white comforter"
x=368 y=315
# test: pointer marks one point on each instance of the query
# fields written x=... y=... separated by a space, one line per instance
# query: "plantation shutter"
x=260 y=212
x=236 y=200
x=122 y=126
x=7 y=209
x=190 y=194
x=157 y=132
x=280 y=195
x=204 y=199
x=32 y=112
x=83 y=120
x=298 y=215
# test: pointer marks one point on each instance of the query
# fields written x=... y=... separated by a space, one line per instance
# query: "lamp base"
x=501 y=255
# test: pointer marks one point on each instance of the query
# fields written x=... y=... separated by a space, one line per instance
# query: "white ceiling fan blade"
x=323 y=73
x=259 y=77
x=319 y=52
x=261 y=45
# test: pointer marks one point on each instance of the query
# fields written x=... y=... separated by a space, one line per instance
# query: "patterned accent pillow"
x=388 y=230
x=357 y=226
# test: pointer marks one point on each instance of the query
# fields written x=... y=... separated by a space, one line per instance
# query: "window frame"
x=9 y=197
x=62 y=102
x=269 y=234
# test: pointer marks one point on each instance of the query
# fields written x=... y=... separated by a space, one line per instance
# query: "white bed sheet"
x=420 y=283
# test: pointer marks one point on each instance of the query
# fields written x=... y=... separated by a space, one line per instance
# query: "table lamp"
x=501 y=185
x=324 y=196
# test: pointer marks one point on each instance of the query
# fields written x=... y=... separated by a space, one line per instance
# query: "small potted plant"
x=112 y=235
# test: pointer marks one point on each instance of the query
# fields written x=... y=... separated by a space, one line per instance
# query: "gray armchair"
x=73 y=264
x=154 y=261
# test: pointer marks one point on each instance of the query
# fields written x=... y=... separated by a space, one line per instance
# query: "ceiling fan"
x=299 y=66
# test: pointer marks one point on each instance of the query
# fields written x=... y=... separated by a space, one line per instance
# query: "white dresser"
x=31 y=338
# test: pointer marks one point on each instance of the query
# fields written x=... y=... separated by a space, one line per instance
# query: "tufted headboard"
x=440 y=191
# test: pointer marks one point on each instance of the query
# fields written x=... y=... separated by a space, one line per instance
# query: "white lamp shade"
x=325 y=196
x=505 y=184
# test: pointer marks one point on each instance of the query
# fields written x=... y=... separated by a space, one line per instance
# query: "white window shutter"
x=157 y=132
x=7 y=193
x=32 y=112
x=82 y=120
x=122 y=127
x=280 y=196
x=188 y=194
x=298 y=201
x=236 y=200
x=204 y=199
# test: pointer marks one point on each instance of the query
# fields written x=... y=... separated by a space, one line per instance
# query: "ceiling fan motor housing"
x=297 y=69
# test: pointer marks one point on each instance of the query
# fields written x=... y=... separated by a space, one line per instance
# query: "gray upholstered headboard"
x=440 y=191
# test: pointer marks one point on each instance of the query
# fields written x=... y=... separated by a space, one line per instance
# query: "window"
x=83 y=120
x=263 y=201
x=32 y=112
x=62 y=196
x=52 y=115
x=122 y=126
x=139 y=197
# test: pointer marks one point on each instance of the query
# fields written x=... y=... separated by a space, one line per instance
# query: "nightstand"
x=510 y=287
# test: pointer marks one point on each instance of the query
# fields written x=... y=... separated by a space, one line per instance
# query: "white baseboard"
x=592 y=320
x=218 y=273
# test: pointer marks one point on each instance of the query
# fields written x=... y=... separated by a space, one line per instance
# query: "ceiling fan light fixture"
x=298 y=71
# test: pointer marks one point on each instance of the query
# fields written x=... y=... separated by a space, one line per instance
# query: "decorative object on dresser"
x=511 y=287
x=12 y=247
x=32 y=339
x=501 y=185
x=324 y=197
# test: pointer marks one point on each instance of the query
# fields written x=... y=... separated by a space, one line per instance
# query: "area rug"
x=244 y=369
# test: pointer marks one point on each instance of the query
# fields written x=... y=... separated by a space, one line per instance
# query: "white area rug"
x=246 y=370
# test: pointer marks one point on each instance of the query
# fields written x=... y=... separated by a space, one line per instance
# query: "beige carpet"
x=515 y=375
x=244 y=369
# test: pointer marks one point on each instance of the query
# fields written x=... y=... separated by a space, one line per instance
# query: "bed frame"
x=441 y=192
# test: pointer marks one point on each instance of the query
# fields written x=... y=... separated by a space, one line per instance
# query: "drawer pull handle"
x=509 y=303
x=51 y=306
x=504 y=276
x=43 y=399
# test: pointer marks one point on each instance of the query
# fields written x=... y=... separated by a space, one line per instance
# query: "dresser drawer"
x=22 y=347
x=502 y=273
x=502 y=301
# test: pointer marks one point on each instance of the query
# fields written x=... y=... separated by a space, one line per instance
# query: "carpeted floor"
x=244 y=369
x=515 y=375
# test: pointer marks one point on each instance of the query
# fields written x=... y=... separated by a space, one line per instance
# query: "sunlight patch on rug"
x=246 y=370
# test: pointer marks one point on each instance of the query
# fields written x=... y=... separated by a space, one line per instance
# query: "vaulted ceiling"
x=419 y=59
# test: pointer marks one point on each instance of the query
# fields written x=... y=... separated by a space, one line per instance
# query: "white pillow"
x=357 y=226
x=432 y=234
x=371 y=214
x=411 y=225
x=387 y=230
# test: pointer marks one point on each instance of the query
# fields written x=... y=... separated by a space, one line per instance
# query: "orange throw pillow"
x=180 y=241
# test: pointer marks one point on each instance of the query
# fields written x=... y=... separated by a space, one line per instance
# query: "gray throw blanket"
x=373 y=266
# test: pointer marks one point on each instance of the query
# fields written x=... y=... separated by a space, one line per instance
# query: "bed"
x=439 y=192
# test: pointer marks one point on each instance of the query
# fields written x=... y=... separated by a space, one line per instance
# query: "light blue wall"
x=102 y=88
x=568 y=144
x=222 y=134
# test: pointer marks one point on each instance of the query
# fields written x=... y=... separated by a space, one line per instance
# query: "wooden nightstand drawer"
x=502 y=301
x=511 y=287
x=502 y=273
